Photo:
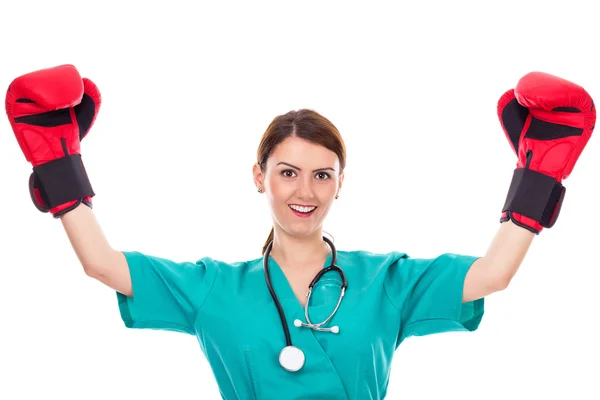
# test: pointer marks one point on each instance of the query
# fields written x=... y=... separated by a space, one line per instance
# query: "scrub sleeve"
x=166 y=294
x=428 y=294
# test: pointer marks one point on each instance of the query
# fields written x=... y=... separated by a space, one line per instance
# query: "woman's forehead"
x=298 y=150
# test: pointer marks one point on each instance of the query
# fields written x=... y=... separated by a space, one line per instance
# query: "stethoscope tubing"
x=286 y=331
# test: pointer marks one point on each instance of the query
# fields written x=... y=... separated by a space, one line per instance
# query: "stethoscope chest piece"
x=291 y=358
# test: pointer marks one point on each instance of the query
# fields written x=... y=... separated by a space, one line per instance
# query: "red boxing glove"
x=51 y=111
x=548 y=122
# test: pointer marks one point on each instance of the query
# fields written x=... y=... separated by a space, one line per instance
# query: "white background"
x=187 y=94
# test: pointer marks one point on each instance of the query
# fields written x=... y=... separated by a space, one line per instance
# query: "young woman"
x=263 y=336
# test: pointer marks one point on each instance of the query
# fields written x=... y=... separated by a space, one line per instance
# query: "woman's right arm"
x=167 y=294
x=99 y=260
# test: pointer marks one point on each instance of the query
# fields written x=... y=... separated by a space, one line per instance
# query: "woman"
x=251 y=317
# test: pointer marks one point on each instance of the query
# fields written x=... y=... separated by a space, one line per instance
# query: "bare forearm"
x=507 y=251
x=494 y=271
x=86 y=237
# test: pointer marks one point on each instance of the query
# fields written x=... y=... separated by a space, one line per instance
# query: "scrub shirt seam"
x=203 y=302
x=389 y=298
x=427 y=320
x=153 y=322
x=209 y=292
x=398 y=308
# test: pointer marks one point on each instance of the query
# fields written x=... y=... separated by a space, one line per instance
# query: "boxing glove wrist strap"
x=62 y=180
x=535 y=195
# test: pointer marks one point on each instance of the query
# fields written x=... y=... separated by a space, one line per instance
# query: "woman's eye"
x=288 y=173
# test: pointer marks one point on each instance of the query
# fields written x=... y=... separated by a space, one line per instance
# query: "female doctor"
x=304 y=320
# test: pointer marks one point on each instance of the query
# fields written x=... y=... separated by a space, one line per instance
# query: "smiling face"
x=301 y=181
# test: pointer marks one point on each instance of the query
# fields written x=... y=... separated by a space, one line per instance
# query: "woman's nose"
x=305 y=189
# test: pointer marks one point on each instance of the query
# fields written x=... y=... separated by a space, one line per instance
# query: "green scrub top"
x=229 y=309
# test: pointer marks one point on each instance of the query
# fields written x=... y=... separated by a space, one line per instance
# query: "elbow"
x=500 y=283
x=90 y=271
x=499 y=274
x=97 y=266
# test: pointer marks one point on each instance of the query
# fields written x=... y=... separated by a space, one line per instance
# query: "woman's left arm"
x=539 y=108
x=494 y=271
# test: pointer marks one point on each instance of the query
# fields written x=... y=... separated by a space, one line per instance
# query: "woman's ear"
x=340 y=182
x=258 y=176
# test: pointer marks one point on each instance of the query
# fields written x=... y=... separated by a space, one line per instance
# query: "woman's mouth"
x=302 y=211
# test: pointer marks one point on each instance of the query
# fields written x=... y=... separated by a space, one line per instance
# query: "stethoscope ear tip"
x=297 y=323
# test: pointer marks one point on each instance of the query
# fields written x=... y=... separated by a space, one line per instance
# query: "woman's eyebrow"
x=300 y=169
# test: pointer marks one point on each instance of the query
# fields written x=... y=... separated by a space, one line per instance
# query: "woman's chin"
x=300 y=229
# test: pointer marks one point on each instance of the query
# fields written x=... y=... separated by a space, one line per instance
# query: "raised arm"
x=51 y=111
x=548 y=122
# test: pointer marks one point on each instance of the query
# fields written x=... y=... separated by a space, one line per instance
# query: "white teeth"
x=302 y=209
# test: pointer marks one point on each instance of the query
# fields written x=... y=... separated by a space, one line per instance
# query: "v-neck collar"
x=281 y=285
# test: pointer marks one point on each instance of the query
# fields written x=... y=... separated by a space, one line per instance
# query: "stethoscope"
x=291 y=357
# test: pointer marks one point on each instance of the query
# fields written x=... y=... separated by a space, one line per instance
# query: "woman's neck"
x=298 y=251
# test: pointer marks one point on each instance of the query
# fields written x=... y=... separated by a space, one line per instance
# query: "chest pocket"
x=324 y=299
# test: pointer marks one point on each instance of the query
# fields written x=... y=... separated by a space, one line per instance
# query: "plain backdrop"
x=188 y=90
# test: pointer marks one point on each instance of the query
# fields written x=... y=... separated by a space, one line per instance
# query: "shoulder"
x=232 y=267
x=396 y=264
x=368 y=265
x=365 y=258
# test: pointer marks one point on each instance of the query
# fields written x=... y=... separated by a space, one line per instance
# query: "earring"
x=337 y=196
x=259 y=190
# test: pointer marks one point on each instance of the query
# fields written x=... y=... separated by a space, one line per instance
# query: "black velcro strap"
x=63 y=180
x=535 y=195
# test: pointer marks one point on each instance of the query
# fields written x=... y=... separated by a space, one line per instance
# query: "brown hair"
x=305 y=124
